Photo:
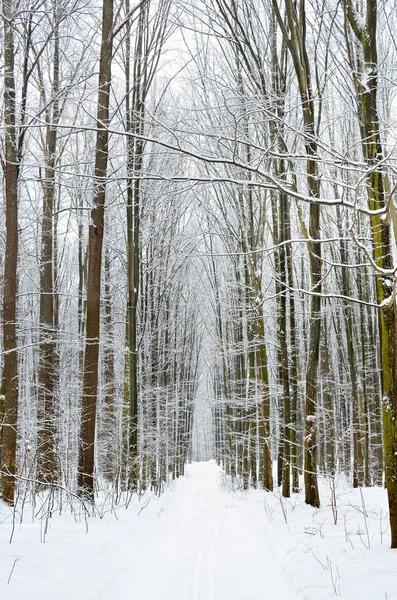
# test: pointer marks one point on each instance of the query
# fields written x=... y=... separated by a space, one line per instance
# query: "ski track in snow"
x=202 y=547
x=196 y=542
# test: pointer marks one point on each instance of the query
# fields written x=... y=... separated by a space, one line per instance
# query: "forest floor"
x=202 y=540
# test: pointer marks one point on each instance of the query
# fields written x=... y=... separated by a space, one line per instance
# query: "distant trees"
x=140 y=69
x=56 y=338
x=342 y=395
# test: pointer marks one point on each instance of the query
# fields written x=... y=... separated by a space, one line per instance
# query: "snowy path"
x=201 y=542
x=197 y=542
x=205 y=547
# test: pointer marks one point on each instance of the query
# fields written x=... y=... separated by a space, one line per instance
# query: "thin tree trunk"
x=293 y=356
x=48 y=469
x=135 y=115
x=284 y=228
x=358 y=464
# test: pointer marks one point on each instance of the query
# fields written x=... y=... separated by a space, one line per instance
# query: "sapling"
x=333 y=497
x=268 y=511
x=12 y=569
x=347 y=536
x=364 y=512
x=333 y=570
x=381 y=530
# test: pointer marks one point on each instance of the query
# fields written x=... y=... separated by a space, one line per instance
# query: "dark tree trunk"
x=135 y=114
x=48 y=469
x=85 y=478
x=10 y=373
x=295 y=38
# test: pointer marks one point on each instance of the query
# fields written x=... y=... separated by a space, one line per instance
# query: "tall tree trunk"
x=85 y=478
x=48 y=469
x=10 y=372
x=295 y=38
x=366 y=92
x=294 y=399
x=282 y=364
x=358 y=458
x=285 y=367
x=135 y=113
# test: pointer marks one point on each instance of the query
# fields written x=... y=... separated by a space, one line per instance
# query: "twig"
x=12 y=570
x=144 y=505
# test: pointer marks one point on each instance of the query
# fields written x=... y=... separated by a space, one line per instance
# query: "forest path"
x=203 y=545
x=196 y=542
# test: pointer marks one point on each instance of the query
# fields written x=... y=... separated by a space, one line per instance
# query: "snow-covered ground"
x=202 y=540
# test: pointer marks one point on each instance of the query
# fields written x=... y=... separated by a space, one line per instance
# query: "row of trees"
x=89 y=313
x=224 y=209
x=305 y=222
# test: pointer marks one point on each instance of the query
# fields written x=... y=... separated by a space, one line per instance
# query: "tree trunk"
x=85 y=478
x=358 y=458
x=376 y=180
x=295 y=38
x=10 y=373
x=109 y=421
x=48 y=469
x=135 y=114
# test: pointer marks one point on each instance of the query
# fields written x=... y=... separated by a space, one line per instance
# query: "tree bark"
x=377 y=198
x=135 y=113
x=295 y=38
x=10 y=372
x=85 y=478
x=48 y=469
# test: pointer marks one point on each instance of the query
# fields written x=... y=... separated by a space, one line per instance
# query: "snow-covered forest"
x=198 y=263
